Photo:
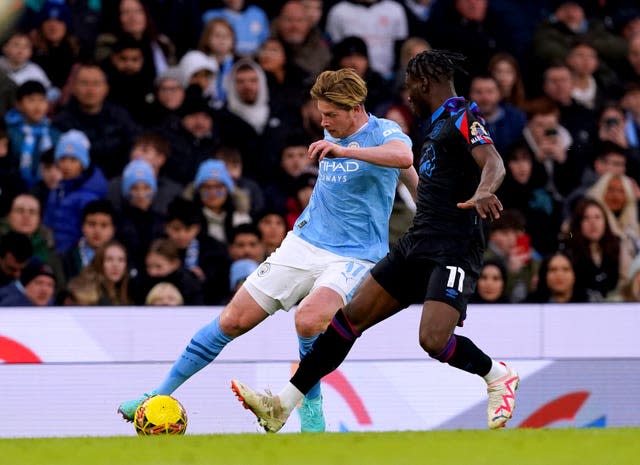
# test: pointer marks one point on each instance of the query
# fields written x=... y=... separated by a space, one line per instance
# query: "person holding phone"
x=550 y=143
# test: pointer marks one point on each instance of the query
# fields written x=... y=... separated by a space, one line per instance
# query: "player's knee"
x=309 y=324
x=433 y=342
x=232 y=323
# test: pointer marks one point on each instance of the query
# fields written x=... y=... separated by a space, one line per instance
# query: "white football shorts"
x=296 y=268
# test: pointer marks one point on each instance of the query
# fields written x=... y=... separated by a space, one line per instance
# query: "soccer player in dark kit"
x=436 y=261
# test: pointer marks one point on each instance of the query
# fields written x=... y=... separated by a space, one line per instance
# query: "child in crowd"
x=30 y=131
x=201 y=254
x=16 y=62
x=138 y=223
x=81 y=183
x=154 y=149
x=164 y=294
x=163 y=264
x=110 y=273
x=98 y=219
x=246 y=242
x=214 y=188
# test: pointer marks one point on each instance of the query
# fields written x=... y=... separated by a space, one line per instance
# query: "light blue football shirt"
x=349 y=210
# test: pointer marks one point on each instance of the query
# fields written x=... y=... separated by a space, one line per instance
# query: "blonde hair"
x=159 y=290
x=84 y=288
x=626 y=222
x=343 y=88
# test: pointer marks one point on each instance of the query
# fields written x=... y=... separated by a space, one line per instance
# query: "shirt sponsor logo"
x=479 y=134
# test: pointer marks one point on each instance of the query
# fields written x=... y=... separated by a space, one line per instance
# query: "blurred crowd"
x=154 y=152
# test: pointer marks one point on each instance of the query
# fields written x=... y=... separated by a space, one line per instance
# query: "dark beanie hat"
x=34 y=269
x=349 y=46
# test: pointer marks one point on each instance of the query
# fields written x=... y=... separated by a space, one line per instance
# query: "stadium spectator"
x=246 y=242
x=25 y=217
x=568 y=22
x=98 y=219
x=550 y=143
x=250 y=24
x=16 y=61
x=108 y=126
x=36 y=287
x=504 y=121
x=304 y=44
x=163 y=264
x=55 y=48
x=153 y=148
x=167 y=98
x=214 y=192
x=599 y=261
x=286 y=81
x=109 y=270
x=525 y=192
x=303 y=187
x=11 y=183
x=382 y=24
x=193 y=137
x=15 y=252
x=577 y=119
x=508 y=242
x=293 y=162
x=50 y=175
x=351 y=52
x=204 y=256
x=273 y=229
x=129 y=87
x=164 y=294
x=247 y=190
x=217 y=41
x=198 y=69
x=491 y=284
x=131 y=18
x=618 y=194
x=252 y=122
x=82 y=181
x=138 y=224
x=629 y=290
x=506 y=71
x=557 y=281
x=30 y=131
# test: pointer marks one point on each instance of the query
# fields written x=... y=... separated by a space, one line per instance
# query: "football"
x=159 y=415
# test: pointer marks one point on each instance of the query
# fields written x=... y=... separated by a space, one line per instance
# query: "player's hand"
x=486 y=204
x=323 y=148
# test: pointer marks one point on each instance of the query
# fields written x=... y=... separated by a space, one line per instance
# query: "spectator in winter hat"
x=139 y=184
x=214 y=187
x=73 y=145
x=138 y=223
x=81 y=183
x=35 y=287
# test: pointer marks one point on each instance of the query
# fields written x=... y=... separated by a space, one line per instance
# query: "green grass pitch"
x=514 y=447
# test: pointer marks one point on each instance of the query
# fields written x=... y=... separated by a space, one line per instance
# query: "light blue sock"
x=304 y=345
x=203 y=348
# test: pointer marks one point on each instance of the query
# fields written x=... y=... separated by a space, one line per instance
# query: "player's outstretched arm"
x=484 y=200
x=394 y=154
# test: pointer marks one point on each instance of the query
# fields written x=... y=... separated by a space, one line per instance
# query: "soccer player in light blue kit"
x=336 y=240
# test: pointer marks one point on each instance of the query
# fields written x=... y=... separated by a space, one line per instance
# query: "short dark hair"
x=98 y=206
x=245 y=228
x=185 y=211
x=30 y=88
x=155 y=140
x=18 y=244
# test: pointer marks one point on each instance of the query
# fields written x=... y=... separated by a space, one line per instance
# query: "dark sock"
x=461 y=353
x=326 y=354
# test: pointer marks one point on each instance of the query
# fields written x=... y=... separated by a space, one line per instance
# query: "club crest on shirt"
x=264 y=269
x=353 y=145
x=479 y=134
